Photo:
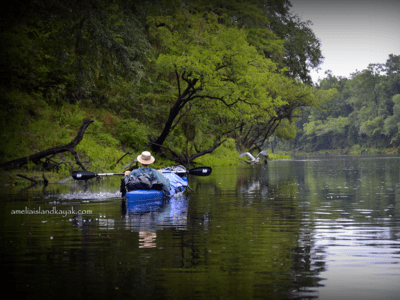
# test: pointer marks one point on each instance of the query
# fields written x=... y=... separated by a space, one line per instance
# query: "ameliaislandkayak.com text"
x=53 y=211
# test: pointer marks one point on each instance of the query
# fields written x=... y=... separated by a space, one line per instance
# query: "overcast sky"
x=353 y=33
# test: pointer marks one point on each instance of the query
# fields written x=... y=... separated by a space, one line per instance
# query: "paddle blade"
x=83 y=175
x=200 y=171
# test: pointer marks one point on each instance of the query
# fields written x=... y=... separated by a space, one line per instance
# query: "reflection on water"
x=155 y=215
x=147 y=239
x=149 y=216
x=320 y=228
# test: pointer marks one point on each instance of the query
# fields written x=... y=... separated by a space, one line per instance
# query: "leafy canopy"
x=211 y=70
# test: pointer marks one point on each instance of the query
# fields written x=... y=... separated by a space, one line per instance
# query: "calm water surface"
x=313 y=228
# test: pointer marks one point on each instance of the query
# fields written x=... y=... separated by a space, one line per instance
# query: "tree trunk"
x=173 y=113
x=35 y=158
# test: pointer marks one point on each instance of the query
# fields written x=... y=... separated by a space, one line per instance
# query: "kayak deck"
x=178 y=185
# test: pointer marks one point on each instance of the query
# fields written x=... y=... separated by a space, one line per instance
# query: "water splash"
x=81 y=195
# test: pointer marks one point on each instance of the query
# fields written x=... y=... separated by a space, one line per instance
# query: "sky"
x=353 y=33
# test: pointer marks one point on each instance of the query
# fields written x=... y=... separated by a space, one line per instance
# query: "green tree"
x=367 y=102
x=212 y=76
x=392 y=123
x=392 y=65
x=77 y=49
x=327 y=134
x=281 y=122
x=274 y=31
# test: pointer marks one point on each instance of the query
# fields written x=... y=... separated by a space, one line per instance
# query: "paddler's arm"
x=134 y=172
x=161 y=178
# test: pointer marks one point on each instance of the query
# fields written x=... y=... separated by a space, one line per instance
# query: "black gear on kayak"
x=140 y=182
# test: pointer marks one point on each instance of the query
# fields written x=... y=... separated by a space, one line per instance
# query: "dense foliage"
x=365 y=112
x=180 y=77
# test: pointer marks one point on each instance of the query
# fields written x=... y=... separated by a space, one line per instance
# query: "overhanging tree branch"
x=35 y=158
x=216 y=144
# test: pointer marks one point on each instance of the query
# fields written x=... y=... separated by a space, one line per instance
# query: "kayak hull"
x=178 y=183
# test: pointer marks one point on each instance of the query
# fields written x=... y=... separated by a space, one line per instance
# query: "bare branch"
x=217 y=143
x=35 y=158
x=178 y=81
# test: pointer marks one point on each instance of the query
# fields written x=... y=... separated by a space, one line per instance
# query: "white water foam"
x=89 y=195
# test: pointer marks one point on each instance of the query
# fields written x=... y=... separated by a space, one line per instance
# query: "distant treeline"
x=364 y=113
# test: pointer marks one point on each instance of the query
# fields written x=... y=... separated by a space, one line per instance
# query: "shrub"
x=132 y=134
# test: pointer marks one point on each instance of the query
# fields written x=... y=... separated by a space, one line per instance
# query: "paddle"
x=199 y=171
x=86 y=175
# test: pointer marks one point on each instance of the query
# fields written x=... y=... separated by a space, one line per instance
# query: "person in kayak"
x=146 y=159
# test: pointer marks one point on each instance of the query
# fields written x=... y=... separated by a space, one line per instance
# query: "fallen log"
x=45 y=180
x=28 y=178
x=35 y=158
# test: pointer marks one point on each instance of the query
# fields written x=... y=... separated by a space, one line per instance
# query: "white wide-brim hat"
x=146 y=158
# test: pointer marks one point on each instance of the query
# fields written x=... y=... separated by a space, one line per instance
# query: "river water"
x=313 y=228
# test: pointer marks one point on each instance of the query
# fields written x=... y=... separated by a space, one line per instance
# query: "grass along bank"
x=108 y=144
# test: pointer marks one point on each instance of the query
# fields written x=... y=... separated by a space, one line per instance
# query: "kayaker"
x=146 y=159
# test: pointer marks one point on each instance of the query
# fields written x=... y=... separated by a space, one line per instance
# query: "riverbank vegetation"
x=363 y=117
x=196 y=82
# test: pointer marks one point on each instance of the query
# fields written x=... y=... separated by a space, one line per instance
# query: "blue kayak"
x=150 y=216
x=178 y=180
